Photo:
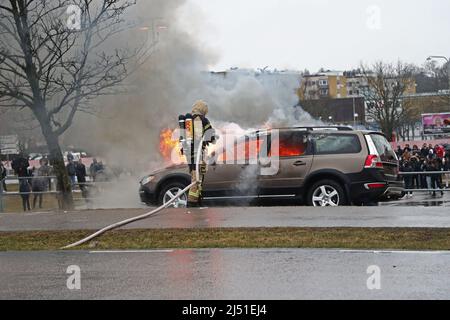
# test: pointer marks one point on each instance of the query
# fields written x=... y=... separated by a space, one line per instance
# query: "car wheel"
x=169 y=191
x=326 y=193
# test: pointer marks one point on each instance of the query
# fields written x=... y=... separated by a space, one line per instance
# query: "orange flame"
x=169 y=147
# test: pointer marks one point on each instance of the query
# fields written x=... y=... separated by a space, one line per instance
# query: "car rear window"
x=384 y=148
x=337 y=144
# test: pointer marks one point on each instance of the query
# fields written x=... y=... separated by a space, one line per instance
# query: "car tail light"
x=373 y=161
x=376 y=185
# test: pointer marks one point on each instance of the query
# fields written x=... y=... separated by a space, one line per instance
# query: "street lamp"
x=448 y=65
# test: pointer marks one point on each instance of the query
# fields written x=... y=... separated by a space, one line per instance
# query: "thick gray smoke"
x=126 y=132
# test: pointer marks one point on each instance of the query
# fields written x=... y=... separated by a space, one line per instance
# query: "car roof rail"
x=309 y=128
x=318 y=128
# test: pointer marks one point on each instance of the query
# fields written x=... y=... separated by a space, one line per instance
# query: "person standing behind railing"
x=415 y=165
x=439 y=151
x=434 y=178
x=39 y=183
x=399 y=152
x=423 y=177
x=428 y=168
x=406 y=167
x=25 y=190
x=46 y=171
x=447 y=169
x=415 y=150
x=406 y=155
x=440 y=167
x=424 y=151
x=407 y=148
x=70 y=167
x=20 y=166
x=80 y=170
x=3 y=174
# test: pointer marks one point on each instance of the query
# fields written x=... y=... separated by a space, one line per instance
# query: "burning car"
x=319 y=166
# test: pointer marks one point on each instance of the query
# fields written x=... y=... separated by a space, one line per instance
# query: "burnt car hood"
x=179 y=167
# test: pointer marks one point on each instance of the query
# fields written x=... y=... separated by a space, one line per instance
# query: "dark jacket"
x=80 y=170
x=432 y=168
x=3 y=172
x=416 y=166
x=41 y=184
x=407 y=178
x=424 y=152
x=24 y=184
x=20 y=166
x=71 y=170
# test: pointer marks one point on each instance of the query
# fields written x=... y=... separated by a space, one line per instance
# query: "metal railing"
x=401 y=173
x=14 y=178
x=50 y=184
x=428 y=181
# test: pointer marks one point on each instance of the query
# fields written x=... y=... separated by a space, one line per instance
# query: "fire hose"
x=146 y=215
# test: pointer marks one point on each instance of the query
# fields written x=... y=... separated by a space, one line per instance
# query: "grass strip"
x=347 y=238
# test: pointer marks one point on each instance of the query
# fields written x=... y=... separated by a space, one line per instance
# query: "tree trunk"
x=63 y=185
x=57 y=160
x=388 y=130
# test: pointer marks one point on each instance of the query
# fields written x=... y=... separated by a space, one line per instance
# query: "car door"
x=295 y=158
x=233 y=169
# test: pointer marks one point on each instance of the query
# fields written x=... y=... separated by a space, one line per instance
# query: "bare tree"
x=386 y=86
x=55 y=59
x=408 y=121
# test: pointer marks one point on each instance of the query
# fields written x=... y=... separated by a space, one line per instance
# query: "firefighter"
x=201 y=128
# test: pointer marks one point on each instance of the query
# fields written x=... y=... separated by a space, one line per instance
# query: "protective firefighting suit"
x=202 y=129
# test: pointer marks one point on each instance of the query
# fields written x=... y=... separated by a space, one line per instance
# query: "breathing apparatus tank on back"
x=189 y=129
x=186 y=125
x=182 y=126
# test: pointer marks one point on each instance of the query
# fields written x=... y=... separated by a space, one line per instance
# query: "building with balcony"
x=340 y=85
x=325 y=85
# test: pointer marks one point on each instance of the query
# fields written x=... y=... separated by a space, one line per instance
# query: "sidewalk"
x=235 y=217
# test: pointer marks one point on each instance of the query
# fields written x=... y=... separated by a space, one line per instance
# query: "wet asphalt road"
x=225 y=274
x=423 y=210
x=437 y=217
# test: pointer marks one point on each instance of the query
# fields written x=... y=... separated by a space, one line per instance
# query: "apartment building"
x=331 y=85
x=340 y=85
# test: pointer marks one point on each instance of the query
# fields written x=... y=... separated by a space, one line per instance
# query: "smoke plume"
x=126 y=131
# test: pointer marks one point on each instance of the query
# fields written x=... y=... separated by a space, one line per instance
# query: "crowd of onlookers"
x=76 y=171
x=426 y=159
x=37 y=181
x=34 y=181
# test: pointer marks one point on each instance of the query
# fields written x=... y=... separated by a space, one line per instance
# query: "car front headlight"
x=146 y=180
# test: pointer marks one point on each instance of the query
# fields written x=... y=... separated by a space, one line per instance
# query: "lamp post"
x=448 y=65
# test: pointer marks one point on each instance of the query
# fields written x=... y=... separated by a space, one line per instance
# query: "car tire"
x=172 y=186
x=331 y=192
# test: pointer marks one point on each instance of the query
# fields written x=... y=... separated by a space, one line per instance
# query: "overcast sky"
x=334 y=34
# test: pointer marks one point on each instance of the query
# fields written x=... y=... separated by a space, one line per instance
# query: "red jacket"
x=440 y=152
